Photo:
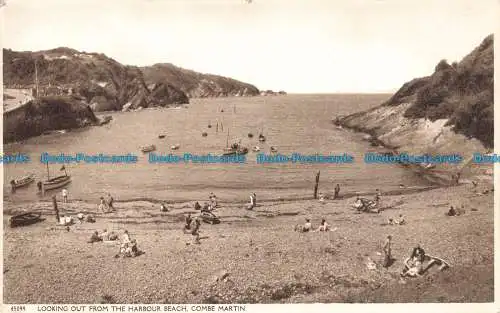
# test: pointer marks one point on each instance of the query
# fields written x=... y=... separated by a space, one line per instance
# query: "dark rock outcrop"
x=44 y=114
x=197 y=85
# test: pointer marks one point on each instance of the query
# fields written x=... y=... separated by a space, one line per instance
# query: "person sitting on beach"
x=206 y=207
x=80 y=217
x=324 y=226
x=163 y=208
x=197 y=206
x=307 y=226
x=94 y=238
x=418 y=253
x=321 y=197
x=415 y=263
x=401 y=220
x=126 y=236
x=104 y=235
x=102 y=206
x=451 y=211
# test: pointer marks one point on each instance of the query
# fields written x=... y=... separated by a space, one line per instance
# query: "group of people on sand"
x=307 y=227
x=370 y=206
x=455 y=212
x=397 y=221
x=336 y=194
x=207 y=206
x=128 y=246
x=106 y=205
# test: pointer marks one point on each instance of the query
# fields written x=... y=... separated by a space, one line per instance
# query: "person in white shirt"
x=65 y=195
x=307 y=226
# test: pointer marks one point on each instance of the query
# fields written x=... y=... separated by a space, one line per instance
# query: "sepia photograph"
x=204 y=155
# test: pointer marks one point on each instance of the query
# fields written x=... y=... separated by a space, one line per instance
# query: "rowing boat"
x=23 y=181
x=24 y=219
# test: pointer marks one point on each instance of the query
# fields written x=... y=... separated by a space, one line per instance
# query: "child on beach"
x=65 y=195
x=324 y=226
x=387 y=251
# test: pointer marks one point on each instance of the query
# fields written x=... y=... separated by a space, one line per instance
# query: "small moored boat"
x=23 y=181
x=54 y=183
x=149 y=148
x=235 y=149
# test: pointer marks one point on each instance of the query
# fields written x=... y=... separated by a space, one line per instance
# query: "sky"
x=300 y=46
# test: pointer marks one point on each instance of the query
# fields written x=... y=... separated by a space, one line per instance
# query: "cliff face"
x=44 y=114
x=450 y=111
x=103 y=82
x=197 y=85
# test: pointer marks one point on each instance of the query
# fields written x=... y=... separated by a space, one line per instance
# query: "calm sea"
x=292 y=123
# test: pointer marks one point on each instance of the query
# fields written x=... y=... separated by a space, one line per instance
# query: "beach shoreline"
x=265 y=260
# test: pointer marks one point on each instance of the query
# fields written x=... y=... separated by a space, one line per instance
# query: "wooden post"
x=54 y=203
x=316 y=186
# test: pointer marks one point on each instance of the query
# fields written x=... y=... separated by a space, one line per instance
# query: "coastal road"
x=14 y=98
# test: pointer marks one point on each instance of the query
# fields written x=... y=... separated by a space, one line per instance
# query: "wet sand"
x=257 y=252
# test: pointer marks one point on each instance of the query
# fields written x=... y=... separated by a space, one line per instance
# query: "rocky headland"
x=450 y=111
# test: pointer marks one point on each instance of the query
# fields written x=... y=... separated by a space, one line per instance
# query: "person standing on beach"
x=65 y=195
x=196 y=230
x=110 y=202
x=387 y=251
x=337 y=191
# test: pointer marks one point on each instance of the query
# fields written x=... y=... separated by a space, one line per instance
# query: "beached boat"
x=23 y=181
x=175 y=147
x=54 y=183
x=161 y=136
x=106 y=119
x=256 y=149
x=24 y=219
x=149 y=148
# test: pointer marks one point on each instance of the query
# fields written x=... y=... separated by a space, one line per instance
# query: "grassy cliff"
x=461 y=92
x=198 y=85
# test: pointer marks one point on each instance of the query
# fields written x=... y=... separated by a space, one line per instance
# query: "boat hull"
x=57 y=182
x=24 y=219
x=25 y=181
